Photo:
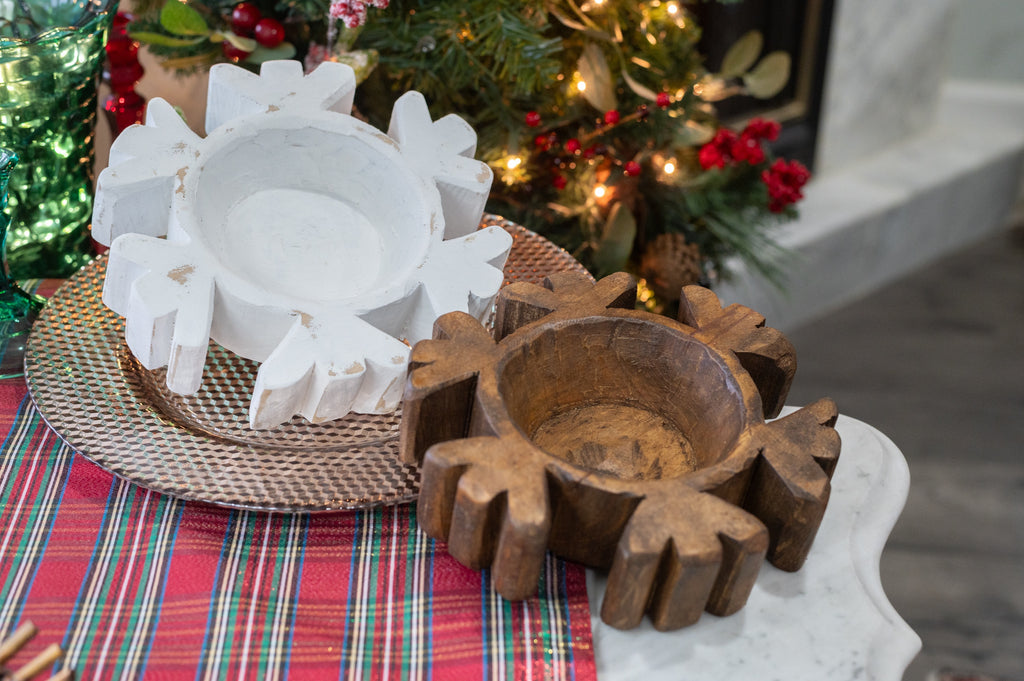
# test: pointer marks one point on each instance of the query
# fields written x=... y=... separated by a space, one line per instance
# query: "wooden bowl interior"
x=623 y=396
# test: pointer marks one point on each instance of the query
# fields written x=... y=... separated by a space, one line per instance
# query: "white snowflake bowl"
x=296 y=236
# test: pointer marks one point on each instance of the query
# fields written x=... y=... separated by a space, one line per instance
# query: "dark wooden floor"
x=936 y=362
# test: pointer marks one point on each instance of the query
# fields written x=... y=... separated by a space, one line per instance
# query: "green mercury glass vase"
x=17 y=308
x=51 y=56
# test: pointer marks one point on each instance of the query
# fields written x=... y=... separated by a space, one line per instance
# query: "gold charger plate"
x=103 y=403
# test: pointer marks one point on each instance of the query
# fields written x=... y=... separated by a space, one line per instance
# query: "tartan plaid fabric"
x=135 y=584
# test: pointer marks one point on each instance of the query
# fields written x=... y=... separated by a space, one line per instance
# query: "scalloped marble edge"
x=830 y=620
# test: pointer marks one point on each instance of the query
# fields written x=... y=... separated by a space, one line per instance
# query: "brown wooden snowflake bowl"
x=619 y=439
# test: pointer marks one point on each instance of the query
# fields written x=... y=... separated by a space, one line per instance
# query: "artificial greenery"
x=496 y=61
x=602 y=170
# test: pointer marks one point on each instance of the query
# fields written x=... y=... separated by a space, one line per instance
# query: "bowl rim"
x=55 y=34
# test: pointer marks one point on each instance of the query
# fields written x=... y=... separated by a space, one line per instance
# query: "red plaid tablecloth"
x=135 y=584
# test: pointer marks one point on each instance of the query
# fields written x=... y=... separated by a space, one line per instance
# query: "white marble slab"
x=876 y=220
x=830 y=620
x=886 y=64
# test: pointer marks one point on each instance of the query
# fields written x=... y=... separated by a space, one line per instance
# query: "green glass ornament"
x=51 y=55
x=17 y=308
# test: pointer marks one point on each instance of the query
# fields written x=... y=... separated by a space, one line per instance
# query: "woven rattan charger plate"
x=103 y=403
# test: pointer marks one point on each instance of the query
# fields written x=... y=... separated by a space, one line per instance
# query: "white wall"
x=988 y=40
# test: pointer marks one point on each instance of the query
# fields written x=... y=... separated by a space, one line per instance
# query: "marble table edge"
x=869 y=492
x=881 y=510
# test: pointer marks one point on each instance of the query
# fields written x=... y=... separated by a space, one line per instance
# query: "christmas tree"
x=598 y=117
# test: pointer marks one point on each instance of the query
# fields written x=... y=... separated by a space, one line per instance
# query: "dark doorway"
x=800 y=28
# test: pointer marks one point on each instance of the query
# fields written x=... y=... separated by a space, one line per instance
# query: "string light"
x=644 y=292
x=510 y=169
x=577 y=84
x=600 y=190
x=672 y=8
x=669 y=167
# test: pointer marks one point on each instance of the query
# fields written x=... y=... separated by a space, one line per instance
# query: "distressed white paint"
x=296 y=236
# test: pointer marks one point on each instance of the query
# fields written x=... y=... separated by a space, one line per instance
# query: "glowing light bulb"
x=669 y=167
x=672 y=8
x=513 y=162
x=581 y=85
x=600 y=190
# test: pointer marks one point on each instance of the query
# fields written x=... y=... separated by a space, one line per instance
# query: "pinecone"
x=669 y=264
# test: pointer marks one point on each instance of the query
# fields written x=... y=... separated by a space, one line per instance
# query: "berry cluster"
x=248 y=21
x=548 y=143
x=784 y=180
x=125 y=105
x=353 y=12
x=727 y=148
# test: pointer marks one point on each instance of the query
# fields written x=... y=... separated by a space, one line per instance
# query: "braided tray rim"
x=80 y=373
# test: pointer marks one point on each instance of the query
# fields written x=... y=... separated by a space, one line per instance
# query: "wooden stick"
x=15 y=641
x=50 y=654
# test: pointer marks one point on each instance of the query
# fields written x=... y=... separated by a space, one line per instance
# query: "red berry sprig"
x=544 y=143
x=728 y=148
x=784 y=180
x=269 y=32
x=244 y=17
x=233 y=53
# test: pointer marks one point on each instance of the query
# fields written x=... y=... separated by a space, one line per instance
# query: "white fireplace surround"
x=911 y=165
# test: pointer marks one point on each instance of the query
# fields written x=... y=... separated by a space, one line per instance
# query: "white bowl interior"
x=314 y=214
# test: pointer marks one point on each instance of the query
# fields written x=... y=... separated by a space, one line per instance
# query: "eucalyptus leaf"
x=642 y=91
x=742 y=55
x=151 y=38
x=769 y=77
x=691 y=134
x=590 y=32
x=178 y=18
x=241 y=42
x=714 y=89
x=616 y=243
x=363 y=62
x=595 y=72
x=261 y=54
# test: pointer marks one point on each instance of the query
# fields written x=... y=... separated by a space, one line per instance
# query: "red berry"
x=590 y=152
x=233 y=53
x=244 y=17
x=663 y=99
x=123 y=77
x=119 y=29
x=632 y=169
x=559 y=182
x=611 y=117
x=572 y=146
x=269 y=32
x=122 y=52
x=532 y=119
